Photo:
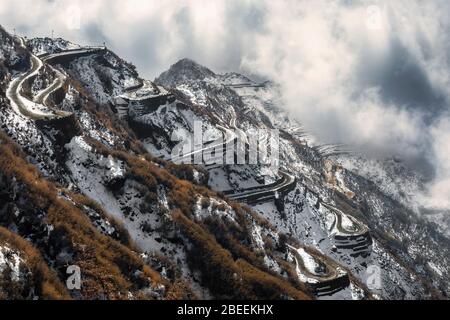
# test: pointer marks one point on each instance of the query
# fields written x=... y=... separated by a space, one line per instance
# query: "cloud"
x=372 y=74
x=438 y=193
x=378 y=84
x=153 y=34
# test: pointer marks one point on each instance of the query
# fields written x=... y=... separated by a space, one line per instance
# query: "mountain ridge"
x=116 y=173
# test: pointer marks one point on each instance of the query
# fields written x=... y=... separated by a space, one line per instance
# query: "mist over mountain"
x=352 y=100
x=372 y=76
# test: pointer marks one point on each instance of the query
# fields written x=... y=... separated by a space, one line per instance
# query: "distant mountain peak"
x=184 y=70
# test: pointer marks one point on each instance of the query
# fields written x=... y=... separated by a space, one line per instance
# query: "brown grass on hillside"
x=231 y=238
x=109 y=267
x=82 y=200
x=186 y=172
x=226 y=277
x=180 y=290
x=44 y=281
x=181 y=193
x=116 y=126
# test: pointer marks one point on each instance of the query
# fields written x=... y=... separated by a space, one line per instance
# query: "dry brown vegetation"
x=234 y=237
x=113 y=124
x=229 y=266
x=186 y=172
x=181 y=193
x=42 y=279
x=123 y=235
x=109 y=268
x=217 y=258
x=218 y=267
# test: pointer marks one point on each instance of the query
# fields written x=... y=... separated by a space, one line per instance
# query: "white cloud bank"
x=372 y=74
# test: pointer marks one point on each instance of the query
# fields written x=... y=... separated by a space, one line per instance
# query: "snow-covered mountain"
x=87 y=179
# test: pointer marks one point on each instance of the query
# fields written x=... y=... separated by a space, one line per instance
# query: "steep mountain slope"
x=380 y=199
x=88 y=178
x=81 y=190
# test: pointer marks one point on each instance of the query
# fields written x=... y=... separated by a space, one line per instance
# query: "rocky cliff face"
x=96 y=187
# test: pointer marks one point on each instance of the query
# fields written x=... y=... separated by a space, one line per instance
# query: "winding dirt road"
x=267 y=192
x=324 y=277
x=39 y=108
